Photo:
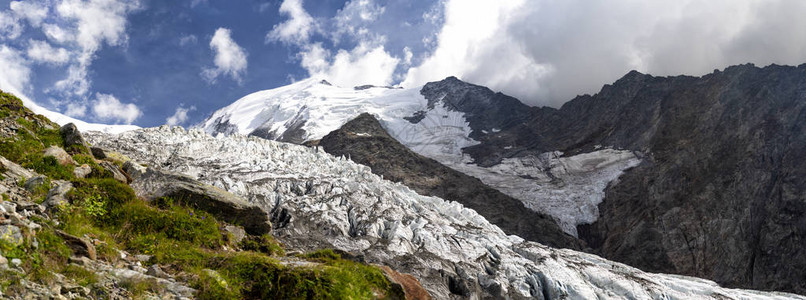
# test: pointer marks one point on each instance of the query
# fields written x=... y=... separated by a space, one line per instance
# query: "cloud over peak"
x=230 y=59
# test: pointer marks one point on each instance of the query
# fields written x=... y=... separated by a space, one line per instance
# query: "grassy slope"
x=184 y=241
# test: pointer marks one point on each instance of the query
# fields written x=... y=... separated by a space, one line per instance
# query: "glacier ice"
x=336 y=203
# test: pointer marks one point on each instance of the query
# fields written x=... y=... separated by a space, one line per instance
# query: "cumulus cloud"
x=180 y=116
x=545 y=52
x=361 y=65
x=32 y=11
x=42 y=52
x=230 y=59
x=107 y=107
x=10 y=27
x=351 y=20
x=368 y=62
x=76 y=110
x=16 y=73
x=297 y=29
x=93 y=23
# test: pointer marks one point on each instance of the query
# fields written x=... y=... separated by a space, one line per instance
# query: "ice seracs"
x=567 y=188
x=319 y=200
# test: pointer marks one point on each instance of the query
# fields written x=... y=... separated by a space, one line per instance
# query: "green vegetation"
x=181 y=239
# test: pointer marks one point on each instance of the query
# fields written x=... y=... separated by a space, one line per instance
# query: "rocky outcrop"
x=80 y=246
x=721 y=193
x=485 y=111
x=366 y=142
x=153 y=184
x=71 y=136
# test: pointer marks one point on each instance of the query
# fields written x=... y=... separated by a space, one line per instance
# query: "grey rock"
x=116 y=172
x=152 y=184
x=237 y=233
x=11 y=234
x=80 y=246
x=30 y=206
x=16 y=262
x=156 y=271
x=82 y=171
x=35 y=182
x=60 y=155
x=98 y=153
x=14 y=170
x=57 y=195
x=8 y=207
x=142 y=257
x=72 y=136
x=3 y=260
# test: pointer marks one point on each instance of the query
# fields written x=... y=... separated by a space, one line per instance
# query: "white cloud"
x=353 y=18
x=94 y=23
x=10 y=27
x=41 y=51
x=546 y=52
x=367 y=63
x=362 y=65
x=180 y=116
x=32 y=11
x=76 y=110
x=188 y=40
x=57 y=34
x=16 y=74
x=297 y=29
x=230 y=59
x=108 y=108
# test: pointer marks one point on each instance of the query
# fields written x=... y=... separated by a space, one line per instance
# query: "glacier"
x=566 y=188
x=318 y=200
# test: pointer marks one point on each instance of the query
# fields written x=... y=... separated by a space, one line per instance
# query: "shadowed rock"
x=375 y=148
x=152 y=184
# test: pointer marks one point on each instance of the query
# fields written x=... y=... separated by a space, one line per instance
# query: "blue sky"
x=152 y=62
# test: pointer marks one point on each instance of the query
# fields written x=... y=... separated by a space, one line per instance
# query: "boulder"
x=60 y=155
x=80 y=246
x=98 y=153
x=71 y=136
x=82 y=171
x=151 y=184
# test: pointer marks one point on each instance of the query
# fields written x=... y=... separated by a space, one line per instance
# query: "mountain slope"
x=367 y=143
x=721 y=192
x=319 y=200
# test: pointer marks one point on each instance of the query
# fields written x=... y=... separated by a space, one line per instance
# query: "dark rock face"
x=367 y=143
x=485 y=110
x=721 y=194
x=71 y=136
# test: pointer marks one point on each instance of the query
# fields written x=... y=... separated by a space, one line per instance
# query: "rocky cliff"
x=367 y=143
x=721 y=191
